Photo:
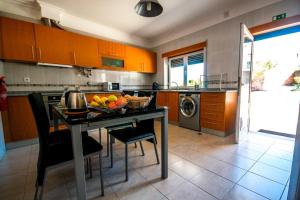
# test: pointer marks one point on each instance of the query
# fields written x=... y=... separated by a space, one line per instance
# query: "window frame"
x=185 y=63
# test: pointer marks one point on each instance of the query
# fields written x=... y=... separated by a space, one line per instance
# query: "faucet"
x=177 y=87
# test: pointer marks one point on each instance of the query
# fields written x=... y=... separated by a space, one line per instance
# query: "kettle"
x=75 y=101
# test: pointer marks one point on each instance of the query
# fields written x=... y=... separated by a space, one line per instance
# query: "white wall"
x=223 y=40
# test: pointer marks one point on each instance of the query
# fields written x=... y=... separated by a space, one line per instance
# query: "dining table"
x=97 y=120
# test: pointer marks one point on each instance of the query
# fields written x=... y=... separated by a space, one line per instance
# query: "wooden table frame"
x=76 y=130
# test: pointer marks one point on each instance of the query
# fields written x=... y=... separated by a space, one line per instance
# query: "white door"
x=244 y=84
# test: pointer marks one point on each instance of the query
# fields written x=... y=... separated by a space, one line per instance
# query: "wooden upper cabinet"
x=18 y=42
x=133 y=60
x=85 y=50
x=111 y=49
x=53 y=45
x=149 y=64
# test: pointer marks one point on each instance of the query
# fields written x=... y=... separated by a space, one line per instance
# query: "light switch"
x=27 y=79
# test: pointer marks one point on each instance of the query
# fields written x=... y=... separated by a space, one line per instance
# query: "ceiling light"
x=148 y=8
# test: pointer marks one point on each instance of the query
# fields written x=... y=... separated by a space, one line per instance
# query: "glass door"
x=244 y=84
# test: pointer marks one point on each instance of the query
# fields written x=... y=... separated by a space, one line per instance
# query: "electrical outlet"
x=27 y=79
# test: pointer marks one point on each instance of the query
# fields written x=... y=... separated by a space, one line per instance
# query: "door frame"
x=243 y=31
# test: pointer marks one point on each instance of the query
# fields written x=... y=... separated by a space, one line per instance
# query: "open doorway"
x=275 y=92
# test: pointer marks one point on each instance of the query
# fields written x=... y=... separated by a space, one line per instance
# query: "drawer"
x=220 y=126
x=213 y=97
x=215 y=107
x=216 y=116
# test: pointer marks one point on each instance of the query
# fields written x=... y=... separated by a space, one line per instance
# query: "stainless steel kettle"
x=75 y=101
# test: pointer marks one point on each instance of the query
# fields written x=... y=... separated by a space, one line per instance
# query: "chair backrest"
x=41 y=119
x=148 y=124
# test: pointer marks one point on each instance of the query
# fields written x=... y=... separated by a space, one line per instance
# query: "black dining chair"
x=55 y=148
x=143 y=131
x=116 y=127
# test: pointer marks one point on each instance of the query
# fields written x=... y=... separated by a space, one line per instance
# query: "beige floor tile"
x=212 y=183
x=265 y=187
x=276 y=162
x=185 y=169
x=270 y=172
x=240 y=193
x=188 y=191
x=236 y=160
x=166 y=186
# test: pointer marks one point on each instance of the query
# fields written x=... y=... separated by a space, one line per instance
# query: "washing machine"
x=189 y=110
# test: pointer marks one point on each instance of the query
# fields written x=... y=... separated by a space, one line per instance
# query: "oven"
x=49 y=101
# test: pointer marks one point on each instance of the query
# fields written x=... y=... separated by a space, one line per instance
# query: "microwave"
x=108 y=86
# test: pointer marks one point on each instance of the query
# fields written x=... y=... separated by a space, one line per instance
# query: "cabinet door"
x=18 y=42
x=111 y=49
x=149 y=64
x=53 y=45
x=85 y=51
x=133 y=61
x=161 y=99
x=19 y=122
x=172 y=101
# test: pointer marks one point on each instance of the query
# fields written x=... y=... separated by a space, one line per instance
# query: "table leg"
x=55 y=121
x=78 y=162
x=164 y=145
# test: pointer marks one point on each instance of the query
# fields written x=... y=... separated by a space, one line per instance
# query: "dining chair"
x=110 y=128
x=56 y=151
x=143 y=131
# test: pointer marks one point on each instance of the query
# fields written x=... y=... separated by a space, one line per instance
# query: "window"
x=185 y=70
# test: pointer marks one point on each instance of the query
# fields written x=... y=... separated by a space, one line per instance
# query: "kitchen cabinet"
x=111 y=55
x=18 y=40
x=111 y=49
x=85 y=50
x=218 y=112
x=169 y=99
x=140 y=60
x=18 y=121
x=53 y=45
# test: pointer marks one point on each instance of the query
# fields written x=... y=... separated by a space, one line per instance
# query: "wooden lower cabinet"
x=18 y=121
x=218 y=112
x=169 y=99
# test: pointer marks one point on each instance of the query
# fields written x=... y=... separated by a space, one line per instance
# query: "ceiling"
x=179 y=18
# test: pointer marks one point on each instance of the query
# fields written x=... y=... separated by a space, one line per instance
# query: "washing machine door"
x=188 y=107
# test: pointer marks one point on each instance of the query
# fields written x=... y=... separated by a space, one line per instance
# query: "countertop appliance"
x=75 y=101
x=109 y=86
x=189 y=110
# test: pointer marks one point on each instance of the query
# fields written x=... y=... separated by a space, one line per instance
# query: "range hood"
x=54 y=65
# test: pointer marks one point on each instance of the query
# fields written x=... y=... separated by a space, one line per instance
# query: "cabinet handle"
x=74 y=56
x=40 y=53
x=32 y=51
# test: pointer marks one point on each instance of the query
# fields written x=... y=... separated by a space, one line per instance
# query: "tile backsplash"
x=55 y=78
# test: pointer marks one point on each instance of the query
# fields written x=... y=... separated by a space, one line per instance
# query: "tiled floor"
x=201 y=167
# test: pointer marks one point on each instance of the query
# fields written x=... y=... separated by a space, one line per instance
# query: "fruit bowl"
x=107 y=104
x=138 y=102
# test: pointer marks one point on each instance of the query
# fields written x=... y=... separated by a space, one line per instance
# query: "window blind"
x=195 y=59
x=178 y=62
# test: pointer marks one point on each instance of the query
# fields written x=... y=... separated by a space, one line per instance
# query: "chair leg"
x=100 y=139
x=142 y=149
x=157 y=158
x=126 y=162
x=101 y=174
x=111 y=152
x=135 y=146
x=107 y=149
x=90 y=167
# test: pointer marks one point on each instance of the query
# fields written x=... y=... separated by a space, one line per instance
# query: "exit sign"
x=279 y=17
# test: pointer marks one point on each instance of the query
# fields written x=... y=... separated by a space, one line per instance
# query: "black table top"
x=94 y=115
